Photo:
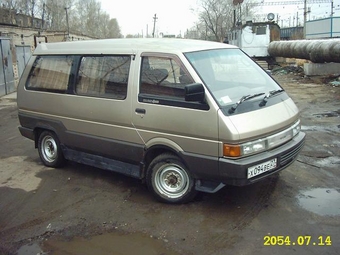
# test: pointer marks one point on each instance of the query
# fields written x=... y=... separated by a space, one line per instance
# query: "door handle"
x=140 y=111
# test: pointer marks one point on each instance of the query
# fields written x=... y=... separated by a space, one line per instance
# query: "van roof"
x=127 y=46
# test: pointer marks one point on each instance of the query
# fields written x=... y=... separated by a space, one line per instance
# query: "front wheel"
x=169 y=180
x=49 y=150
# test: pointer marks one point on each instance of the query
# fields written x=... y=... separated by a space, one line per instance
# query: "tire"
x=49 y=150
x=169 y=180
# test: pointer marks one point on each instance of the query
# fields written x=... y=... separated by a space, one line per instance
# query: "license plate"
x=261 y=168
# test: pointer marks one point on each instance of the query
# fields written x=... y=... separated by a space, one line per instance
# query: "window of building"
x=103 y=76
x=50 y=73
x=261 y=30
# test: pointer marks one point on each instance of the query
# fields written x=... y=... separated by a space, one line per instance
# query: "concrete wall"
x=321 y=68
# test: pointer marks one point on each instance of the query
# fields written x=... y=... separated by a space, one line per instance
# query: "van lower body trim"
x=202 y=167
x=27 y=132
x=92 y=144
x=208 y=186
x=102 y=162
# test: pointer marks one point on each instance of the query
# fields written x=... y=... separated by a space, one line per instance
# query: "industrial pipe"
x=317 y=51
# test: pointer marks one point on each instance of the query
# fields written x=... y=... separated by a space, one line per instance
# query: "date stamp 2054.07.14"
x=306 y=240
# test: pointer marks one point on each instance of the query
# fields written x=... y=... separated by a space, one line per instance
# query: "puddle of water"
x=325 y=202
x=329 y=161
x=108 y=244
x=320 y=128
x=30 y=249
x=328 y=114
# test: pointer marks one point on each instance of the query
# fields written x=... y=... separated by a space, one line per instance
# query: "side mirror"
x=194 y=92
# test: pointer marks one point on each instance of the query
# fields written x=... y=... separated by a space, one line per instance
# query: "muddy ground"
x=83 y=210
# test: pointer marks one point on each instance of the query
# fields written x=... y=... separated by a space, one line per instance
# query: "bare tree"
x=216 y=18
x=113 y=29
x=32 y=6
x=56 y=15
x=91 y=20
x=216 y=15
x=10 y=4
x=77 y=16
x=27 y=7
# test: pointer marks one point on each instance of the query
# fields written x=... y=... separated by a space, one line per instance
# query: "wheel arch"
x=49 y=148
x=158 y=146
x=169 y=179
x=39 y=129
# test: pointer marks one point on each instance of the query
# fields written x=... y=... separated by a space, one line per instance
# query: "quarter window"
x=50 y=73
x=104 y=76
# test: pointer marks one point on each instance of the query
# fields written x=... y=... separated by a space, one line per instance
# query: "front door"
x=162 y=116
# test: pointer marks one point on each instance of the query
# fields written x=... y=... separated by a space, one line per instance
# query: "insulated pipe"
x=317 y=51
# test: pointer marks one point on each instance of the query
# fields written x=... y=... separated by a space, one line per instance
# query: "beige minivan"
x=183 y=115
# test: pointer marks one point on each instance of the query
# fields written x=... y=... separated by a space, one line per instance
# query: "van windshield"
x=231 y=75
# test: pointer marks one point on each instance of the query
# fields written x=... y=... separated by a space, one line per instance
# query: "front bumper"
x=234 y=172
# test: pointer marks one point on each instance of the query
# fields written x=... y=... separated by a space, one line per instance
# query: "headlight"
x=296 y=128
x=230 y=150
x=253 y=147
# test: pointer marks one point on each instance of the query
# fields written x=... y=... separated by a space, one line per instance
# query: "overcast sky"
x=176 y=16
x=288 y=12
x=136 y=17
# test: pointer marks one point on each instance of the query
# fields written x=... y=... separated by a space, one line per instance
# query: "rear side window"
x=50 y=73
x=103 y=76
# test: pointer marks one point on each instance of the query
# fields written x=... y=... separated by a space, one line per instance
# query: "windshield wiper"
x=270 y=94
x=244 y=98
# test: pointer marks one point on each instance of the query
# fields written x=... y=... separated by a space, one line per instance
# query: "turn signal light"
x=231 y=150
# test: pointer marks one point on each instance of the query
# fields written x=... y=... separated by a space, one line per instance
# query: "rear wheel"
x=49 y=150
x=169 y=180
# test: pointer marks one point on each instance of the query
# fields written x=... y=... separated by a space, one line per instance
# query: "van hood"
x=259 y=123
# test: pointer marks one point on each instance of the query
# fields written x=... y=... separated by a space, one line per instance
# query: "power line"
x=293 y=2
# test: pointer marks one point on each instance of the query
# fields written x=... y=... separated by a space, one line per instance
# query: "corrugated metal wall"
x=23 y=53
x=323 y=28
x=6 y=68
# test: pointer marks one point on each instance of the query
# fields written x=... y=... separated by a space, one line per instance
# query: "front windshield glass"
x=230 y=74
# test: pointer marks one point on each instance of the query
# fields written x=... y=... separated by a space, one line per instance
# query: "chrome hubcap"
x=172 y=181
x=49 y=148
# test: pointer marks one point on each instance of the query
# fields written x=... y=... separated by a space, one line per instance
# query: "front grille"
x=289 y=156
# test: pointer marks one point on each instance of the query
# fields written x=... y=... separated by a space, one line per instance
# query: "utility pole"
x=304 y=17
x=332 y=6
x=68 y=27
x=32 y=13
x=42 y=17
x=154 y=25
